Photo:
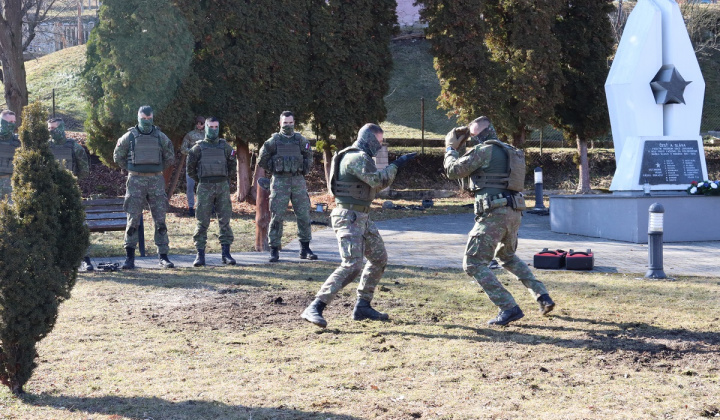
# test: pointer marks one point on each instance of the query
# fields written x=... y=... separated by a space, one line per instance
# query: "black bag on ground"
x=578 y=260
x=549 y=259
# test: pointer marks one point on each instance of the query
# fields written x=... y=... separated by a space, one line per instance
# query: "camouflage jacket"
x=190 y=139
x=122 y=150
x=269 y=149
x=360 y=165
x=82 y=161
x=193 y=159
x=477 y=157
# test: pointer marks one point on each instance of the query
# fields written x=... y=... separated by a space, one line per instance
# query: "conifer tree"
x=138 y=54
x=44 y=238
x=586 y=37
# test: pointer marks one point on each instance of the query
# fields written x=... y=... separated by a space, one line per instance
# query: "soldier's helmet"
x=366 y=140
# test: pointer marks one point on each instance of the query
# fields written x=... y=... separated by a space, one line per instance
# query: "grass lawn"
x=226 y=343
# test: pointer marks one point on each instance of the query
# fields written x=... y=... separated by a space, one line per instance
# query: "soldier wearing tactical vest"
x=73 y=157
x=211 y=163
x=8 y=144
x=144 y=151
x=192 y=137
x=495 y=173
x=354 y=182
x=287 y=155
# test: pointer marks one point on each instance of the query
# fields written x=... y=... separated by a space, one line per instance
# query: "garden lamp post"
x=655 y=242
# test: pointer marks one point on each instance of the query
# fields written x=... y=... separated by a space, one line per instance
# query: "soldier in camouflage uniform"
x=495 y=172
x=354 y=182
x=144 y=151
x=8 y=144
x=211 y=163
x=192 y=137
x=287 y=155
x=73 y=157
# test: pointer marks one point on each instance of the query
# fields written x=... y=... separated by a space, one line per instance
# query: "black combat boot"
x=363 y=310
x=87 y=264
x=313 y=313
x=191 y=212
x=507 y=316
x=129 y=263
x=274 y=254
x=226 y=257
x=165 y=262
x=546 y=304
x=200 y=258
x=305 y=252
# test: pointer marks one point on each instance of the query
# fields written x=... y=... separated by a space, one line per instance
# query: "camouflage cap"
x=366 y=140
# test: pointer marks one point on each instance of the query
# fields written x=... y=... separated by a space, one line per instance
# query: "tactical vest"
x=7 y=152
x=212 y=160
x=348 y=189
x=505 y=172
x=65 y=155
x=145 y=151
x=288 y=158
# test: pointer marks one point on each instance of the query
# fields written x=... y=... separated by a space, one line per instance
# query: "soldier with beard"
x=354 y=182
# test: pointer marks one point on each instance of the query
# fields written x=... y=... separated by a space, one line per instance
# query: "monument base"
x=625 y=218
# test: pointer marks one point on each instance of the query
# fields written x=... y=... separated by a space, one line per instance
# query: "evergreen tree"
x=586 y=37
x=44 y=238
x=138 y=54
x=516 y=80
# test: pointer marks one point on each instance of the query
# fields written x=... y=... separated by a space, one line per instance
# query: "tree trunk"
x=327 y=161
x=584 y=167
x=262 y=213
x=11 y=58
x=80 y=29
x=179 y=170
x=243 y=171
x=518 y=138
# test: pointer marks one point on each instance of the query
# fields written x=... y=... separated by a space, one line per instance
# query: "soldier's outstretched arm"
x=364 y=168
x=459 y=167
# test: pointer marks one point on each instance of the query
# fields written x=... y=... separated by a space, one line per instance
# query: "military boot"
x=274 y=254
x=363 y=310
x=129 y=263
x=165 y=262
x=191 y=212
x=313 y=313
x=305 y=252
x=507 y=316
x=546 y=304
x=199 y=258
x=87 y=264
x=226 y=257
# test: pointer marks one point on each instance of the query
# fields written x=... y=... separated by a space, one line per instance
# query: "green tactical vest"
x=65 y=155
x=145 y=152
x=347 y=188
x=506 y=171
x=288 y=158
x=212 y=160
x=7 y=153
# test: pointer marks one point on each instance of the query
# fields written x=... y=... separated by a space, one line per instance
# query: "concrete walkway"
x=439 y=242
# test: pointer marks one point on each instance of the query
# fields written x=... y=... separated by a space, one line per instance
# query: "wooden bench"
x=107 y=215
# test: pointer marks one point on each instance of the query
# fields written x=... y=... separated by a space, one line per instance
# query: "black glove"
x=402 y=160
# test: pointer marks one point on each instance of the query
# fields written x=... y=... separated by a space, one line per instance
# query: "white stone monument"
x=655 y=94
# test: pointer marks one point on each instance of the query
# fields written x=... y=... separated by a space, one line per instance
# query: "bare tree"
x=702 y=26
x=19 y=20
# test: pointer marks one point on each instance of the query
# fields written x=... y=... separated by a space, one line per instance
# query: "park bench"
x=107 y=215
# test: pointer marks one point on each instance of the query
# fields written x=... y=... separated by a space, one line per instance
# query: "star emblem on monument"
x=668 y=86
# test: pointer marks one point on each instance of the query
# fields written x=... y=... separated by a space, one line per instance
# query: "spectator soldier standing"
x=144 y=151
x=287 y=155
x=192 y=137
x=495 y=172
x=73 y=157
x=354 y=182
x=8 y=143
x=211 y=163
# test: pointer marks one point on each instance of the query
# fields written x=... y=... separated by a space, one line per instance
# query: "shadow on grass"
x=158 y=408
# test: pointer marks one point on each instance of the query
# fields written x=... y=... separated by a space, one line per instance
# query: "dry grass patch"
x=228 y=343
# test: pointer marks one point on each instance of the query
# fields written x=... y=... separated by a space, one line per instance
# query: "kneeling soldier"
x=211 y=163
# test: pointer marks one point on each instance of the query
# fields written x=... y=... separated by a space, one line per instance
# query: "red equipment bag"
x=549 y=259
x=578 y=260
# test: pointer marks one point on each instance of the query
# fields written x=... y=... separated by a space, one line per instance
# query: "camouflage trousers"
x=357 y=236
x=5 y=187
x=495 y=236
x=284 y=189
x=209 y=195
x=141 y=190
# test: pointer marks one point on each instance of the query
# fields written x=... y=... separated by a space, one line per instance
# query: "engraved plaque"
x=670 y=162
